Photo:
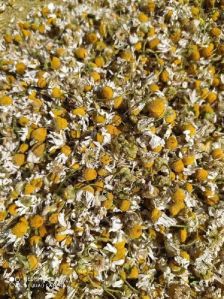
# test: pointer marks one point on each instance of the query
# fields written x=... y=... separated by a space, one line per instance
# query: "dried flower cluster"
x=112 y=161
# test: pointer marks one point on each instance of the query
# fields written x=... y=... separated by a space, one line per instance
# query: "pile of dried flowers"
x=111 y=153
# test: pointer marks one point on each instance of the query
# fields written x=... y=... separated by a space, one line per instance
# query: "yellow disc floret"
x=5 y=101
x=157 y=107
x=55 y=63
x=133 y=273
x=41 y=83
x=99 y=61
x=56 y=92
x=33 y=261
x=217 y=153
x=65 y=268
x=81 y=53
x=118 y=102
x=189 y=160
x=153 y=43
x=183 y=235
x=215 y=31
x=178 y=166
x=39 y=150
x=171 y=143
x=211 y=197
x=21 y=228
x=170 y=116
x=61 y=123
x=189 y=128
x=36 y=221
x=125 y=205
x=23 y=148
x=121 y=251
x=39 y=134
x=29 y=189
x=155 y=215
x=19 y=159
x=201 y=174
x=91 y=38
x=178 y=195
x=164 y=76
x=23 y=121
x=66 y=150
x=53 y=218
x=135 y=231
x=176 y=208
x=107 y=92
x=89 y=174
x=143 y=17
x=184 y=255
x=20 y=68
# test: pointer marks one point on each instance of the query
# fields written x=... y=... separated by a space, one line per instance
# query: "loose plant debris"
x=111 y=151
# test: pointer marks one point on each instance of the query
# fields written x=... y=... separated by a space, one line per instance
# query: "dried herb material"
x=112 y=151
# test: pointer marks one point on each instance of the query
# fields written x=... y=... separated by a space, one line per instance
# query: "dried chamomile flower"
x=41 y=83
x=61 y=123
x=20 y=228
x=135 y=231
x=37 y=221
x=125 y=205
x=183 y=235
x=201 y=174
x=153 y=43
x=55 y=63
x=171 y=143
x=155 y=215
x=99 y=61
x=19 y=159
x=178 y=195
x=178 y=166
x=23 y=148
x=188 y=160
x=157 y=107
x=189 y=128
x=20 y=68
x=211 y=197
x=6 y=101
x=217 y=153
x=107 y=92
x=89 y=174
x=56 y=92
x=81 y=53
x=39 y=134
x=176 y=208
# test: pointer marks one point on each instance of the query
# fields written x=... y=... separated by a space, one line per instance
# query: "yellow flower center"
x=89 y=174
